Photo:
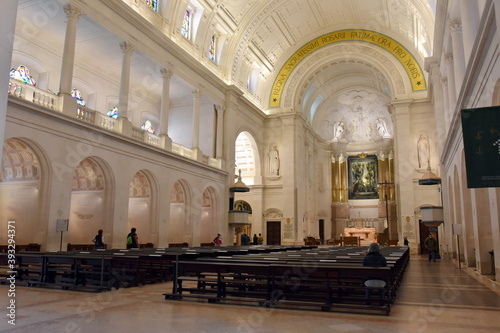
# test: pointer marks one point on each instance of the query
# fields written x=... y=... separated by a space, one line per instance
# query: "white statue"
x=382 y=129
x=338 y=131
x=423 y=151
x=274 y=162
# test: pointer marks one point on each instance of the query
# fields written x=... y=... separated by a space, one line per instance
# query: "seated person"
x=374 y=259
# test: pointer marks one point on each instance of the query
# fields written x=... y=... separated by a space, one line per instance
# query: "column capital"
x=166 y=73
x=448 y=57
x=126 y=47
x=455 y=25
x=219 y=108
x=72 y=12
x=196 y=93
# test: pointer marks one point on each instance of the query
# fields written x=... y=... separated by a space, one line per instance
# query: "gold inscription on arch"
x=406 y=59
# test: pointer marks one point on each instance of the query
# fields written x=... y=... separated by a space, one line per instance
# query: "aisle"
x=434 y=297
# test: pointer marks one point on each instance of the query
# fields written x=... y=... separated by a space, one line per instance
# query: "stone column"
x=470 y=19
x=8 y=27
x=125 y=126
x=220 y=131
x=404 y=166
x=68 y=103
x=196 y=125
x=446 y=102
x=458 y=53
x=68 y=58
x=452 y=94
x=165 y=108
x=123 y=94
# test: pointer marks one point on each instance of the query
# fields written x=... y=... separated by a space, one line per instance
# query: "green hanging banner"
x=481 y=134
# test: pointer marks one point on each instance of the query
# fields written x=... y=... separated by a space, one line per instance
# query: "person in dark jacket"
x=132 y=239
x=431 y=244
x=255 y=239
x=98 y=240
x=374 y=259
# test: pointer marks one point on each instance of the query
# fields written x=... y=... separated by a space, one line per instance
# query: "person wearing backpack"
x=132 y=239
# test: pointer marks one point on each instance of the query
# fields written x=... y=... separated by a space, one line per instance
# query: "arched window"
x=246 y=155
x=186 y=24
x=21 y=73
x=78 y=96
x=153 y=4
x=113 y=113
x=148 y=127
x=213 y=48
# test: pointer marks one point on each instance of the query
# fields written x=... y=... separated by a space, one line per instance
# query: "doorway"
x=273 y=233
x=424 y=233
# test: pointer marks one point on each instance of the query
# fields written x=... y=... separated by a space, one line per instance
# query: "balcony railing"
x=32 y=94
x=49 y=100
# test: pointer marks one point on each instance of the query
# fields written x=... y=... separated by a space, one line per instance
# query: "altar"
x=366 y=235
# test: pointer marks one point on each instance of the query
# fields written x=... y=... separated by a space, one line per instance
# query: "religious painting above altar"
x=363 y=177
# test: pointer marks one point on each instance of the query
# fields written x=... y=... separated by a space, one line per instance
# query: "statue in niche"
x=382 y=129
x=274 y=162
x=338 y=131
x=423 y=151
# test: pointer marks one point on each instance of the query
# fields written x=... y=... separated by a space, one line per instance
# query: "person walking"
x=98 y=243
x=132 y=239
x=431 y=245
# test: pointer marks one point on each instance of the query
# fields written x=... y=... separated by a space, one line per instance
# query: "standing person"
x=374 y=259
x=260 y=239
x=255 y=239
x=431 y=245
x=218 y=240
x=98 y=240
x=405 y=241
x=245 y=239
x=132 y=239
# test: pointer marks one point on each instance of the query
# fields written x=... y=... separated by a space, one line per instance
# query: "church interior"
x=321 y=123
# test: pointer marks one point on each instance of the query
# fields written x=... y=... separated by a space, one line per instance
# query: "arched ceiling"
x=264 y=37
x=269 y=33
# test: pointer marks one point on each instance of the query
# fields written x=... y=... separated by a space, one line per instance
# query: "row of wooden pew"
x=326 y=278
x=34 y=247
x=101 y=270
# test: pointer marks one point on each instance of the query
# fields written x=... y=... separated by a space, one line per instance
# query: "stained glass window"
x=78 y=96
x=186 y=24
x=148 y=127
x=22 y=73
x=212 y=49
x=153 y=4
x=113 y=113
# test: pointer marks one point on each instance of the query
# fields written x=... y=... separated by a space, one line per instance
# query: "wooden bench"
x=82 y=247
x=178 y=245
x=328 y=286
x=31 y=247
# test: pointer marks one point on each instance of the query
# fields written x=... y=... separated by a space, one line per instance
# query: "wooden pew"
x=328 y=286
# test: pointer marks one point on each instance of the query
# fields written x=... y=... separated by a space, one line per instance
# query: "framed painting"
x=363 y=177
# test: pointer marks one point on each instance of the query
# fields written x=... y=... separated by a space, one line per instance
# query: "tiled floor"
x=434 y=297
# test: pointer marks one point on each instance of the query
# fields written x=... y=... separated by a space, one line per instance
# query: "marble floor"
x=434 y=297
